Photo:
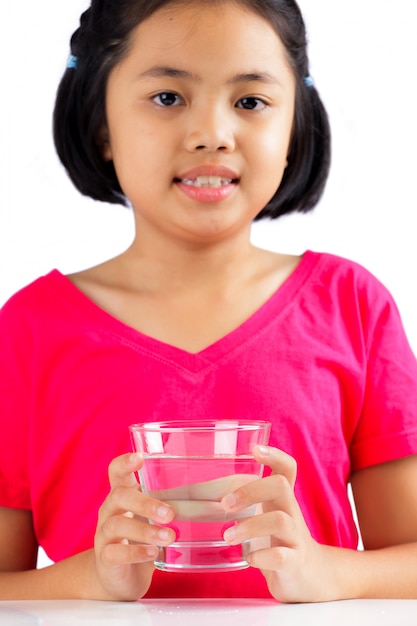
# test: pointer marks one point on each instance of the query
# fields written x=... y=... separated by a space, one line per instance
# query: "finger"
x=123 y=529
x=275 y=559
x=280 y=462
x=211 y=490
x=122 y=468
x=278 y=526
x=125 y=499
x=116 y=554
x=205 y=511
x=273 y=492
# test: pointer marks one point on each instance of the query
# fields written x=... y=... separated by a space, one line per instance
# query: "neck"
x=173 y=265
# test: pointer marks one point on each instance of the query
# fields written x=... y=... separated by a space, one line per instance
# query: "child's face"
x=203 y=92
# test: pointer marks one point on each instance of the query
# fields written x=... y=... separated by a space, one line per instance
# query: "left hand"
x=281 y=544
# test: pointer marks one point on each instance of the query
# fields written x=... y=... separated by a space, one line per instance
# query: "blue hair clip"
x=72 y=62
x=308 y=81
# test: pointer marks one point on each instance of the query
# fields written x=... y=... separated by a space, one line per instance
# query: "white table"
x=208 y=613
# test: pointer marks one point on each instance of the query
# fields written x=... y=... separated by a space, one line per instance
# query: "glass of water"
x=192 y=465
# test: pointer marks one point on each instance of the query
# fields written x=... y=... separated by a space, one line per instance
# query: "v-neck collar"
x=105 y=322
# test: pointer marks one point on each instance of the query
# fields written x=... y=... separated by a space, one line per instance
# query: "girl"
x=201 y=115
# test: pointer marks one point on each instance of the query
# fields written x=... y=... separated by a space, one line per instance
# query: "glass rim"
x=210 y=425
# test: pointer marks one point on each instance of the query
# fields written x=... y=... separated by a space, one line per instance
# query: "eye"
x=167 y=99
x=251 y=103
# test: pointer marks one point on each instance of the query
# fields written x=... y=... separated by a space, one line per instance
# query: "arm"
x=120 y=566
x=298 y=569
x=19 y=579
x=386 y=503
x=18 y=546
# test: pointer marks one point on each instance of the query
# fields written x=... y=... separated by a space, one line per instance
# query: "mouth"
x=207 y=182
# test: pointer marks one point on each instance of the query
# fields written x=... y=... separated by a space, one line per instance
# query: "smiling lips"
x=208 y=183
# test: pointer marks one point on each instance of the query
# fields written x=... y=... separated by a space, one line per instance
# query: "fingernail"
x=162 y=512
x=152 y=551
x=230 y=500
x=163 y=534
x=133 y=458
x=230 y=534
x=263 y=450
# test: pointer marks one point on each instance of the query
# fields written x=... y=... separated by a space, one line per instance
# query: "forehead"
x=216 y=31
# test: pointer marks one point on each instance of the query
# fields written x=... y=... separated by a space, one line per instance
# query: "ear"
x=103 y=143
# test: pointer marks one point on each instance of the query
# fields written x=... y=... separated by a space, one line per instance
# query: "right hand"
x=126 y=544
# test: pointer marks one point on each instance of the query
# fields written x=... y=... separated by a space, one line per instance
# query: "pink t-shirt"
x=325 y=359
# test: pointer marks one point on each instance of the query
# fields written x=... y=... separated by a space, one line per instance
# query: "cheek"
x=277 y=141
x=127 y=150
x=274 y=150
x=271 y=168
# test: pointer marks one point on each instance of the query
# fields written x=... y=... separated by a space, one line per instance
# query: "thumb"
x=122 y=470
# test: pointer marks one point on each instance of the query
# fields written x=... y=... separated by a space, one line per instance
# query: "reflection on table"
x=209 y=613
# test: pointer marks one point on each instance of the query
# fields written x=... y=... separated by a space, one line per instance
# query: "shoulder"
x=344 y=290
x=340 y=275
x=337 y=267
x=35 y=319
x=30 y=296
x=33 y=304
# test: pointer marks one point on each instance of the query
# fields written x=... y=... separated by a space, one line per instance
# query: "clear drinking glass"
x=192 y=465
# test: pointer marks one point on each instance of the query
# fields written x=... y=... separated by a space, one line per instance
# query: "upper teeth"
x=207 y=181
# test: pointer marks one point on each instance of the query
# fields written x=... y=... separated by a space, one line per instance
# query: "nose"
x=209 y=128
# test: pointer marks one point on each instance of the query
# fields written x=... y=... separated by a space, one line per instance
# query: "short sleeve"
x=15 y=384
x=387 y=429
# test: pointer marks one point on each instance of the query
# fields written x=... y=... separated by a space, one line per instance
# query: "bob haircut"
x=101 y=42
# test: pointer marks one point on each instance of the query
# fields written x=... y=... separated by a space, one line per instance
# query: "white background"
x=363 y=59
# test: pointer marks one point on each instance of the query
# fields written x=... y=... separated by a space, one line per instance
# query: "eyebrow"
x=255 y=77
x=171 y=72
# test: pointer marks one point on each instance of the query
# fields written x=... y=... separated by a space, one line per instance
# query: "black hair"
x=101 y=42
